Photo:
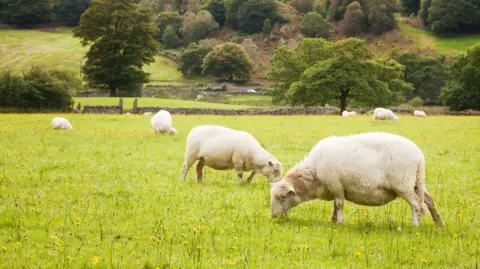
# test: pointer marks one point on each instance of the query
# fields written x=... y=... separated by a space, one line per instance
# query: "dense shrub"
x=381 y=20
x=167 y=18
x=217 y=9
x=192 y=59
x=314 y=25
x=25 y=13
x=37 y=89
x=354 y=22
x=228 y=60
x=416 y=102
x=170 y=38
x=303 y=6
x=249 y=15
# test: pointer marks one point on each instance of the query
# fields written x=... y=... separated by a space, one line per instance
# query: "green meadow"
x=107 y=195
x=20 y=49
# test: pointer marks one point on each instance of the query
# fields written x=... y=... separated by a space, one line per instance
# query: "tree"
x=166 y=18
x=423 y=12
x=25 y=13
x=410 y=7
x=267 y=27
x=72 y=10
x=217 y=9
x=463 y=89
x=355 y=23
x=170 y=38
x=199 y=26
x=444 y=17
x=320 y=72
x=121 y=37
x=427 y=75
x=314 y=25
x=381 y=20
x=154 y=5
x=38 y=88
x=228 y=60
x=303 y=6
x=192 y=59
x=248 y=15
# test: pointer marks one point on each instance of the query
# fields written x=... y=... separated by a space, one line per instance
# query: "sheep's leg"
x=186 y=166
x=338 y=209
x=411 y=198
x=250 y=177
x=200 y=166
x=433 y=210
x=334 y=214
x=239 y=175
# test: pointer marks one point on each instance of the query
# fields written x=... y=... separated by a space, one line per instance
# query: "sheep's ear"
x=270 y=163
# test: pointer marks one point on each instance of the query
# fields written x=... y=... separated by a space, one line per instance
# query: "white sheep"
x=61 y=123
x=345 y=114
x=384 y=114
x=419 y=113
x=222 y=148
x=352 y=113
x=162 y=123
x=367 y=169
x=127 y=114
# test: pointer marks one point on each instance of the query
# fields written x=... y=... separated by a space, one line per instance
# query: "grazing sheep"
x=148 y=113
x=367 y=169
x=222 y=148
x=352 y=113
x=162 y=123
x=384 y=114
x=61 y=123
x=419 y=113
x=345 y=114
x=127 y=114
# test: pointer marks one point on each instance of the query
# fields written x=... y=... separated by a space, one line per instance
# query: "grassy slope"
x=445 y=45
x=110 y=189
x=128 y=103
x=19 y=49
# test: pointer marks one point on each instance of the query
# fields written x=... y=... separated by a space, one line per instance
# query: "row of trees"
x=320 y=72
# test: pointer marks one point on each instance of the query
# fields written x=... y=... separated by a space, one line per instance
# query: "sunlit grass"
x=107 y=195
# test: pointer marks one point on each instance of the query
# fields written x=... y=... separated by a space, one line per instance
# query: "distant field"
x=128 y=102
x=446 y=45
x=20 y=49
x=107 y=195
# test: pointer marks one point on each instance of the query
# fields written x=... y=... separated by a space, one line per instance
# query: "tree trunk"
x=343 y=101
x=113 y=91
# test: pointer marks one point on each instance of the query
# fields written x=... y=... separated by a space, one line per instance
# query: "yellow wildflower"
x=357 y=254
x=95 y=260
x=230 y=262
x=459 y=214
x=295 y=262
x=185 y=242
x=19 y=244
x=4 y=248
x=195 y=230
x=305 y=227
x=424 y=260
x=413 y=249
x=69 y=258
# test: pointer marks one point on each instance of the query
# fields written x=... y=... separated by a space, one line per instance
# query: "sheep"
x=162 y=123
x=223 y=148
x=127 y=114
x=419 y=113
x=61 y=123
x=367 y=169
x=352 y=113
x=384 y=114
x=148 y=113
x=345 y=114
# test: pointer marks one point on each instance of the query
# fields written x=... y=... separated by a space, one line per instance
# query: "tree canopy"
x=446 y=17
x=228 y=60
x=463 y=89
x=121 y=37
x=320 y=72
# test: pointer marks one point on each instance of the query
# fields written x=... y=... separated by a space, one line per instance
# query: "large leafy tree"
x=72 y=10
x=192 y=59
x=445 y=17
x=463 y=90
x=249 y=15
x=427 y=75
x=25 y=13
x=121 y=37
x=314 y=25
x=319 y=72
x=228 y=60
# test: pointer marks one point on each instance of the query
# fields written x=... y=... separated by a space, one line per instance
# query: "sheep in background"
x=127 y=114
x=384 y=114
x=61 y=123
x=419 y=113
x=345 y=114
x=370 y=169
x=352 y=113
x=162 y=123
x=222 y=148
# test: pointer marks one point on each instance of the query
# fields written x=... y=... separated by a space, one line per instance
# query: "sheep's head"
x=172 y=131
x=272 y=170
x=282 y=197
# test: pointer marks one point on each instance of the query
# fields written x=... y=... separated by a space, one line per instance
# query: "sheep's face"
x=282 y=198
x=172 y=131
x=68 y=126
x=273 y=171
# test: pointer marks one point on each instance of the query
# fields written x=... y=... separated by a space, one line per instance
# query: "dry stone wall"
x=241 y=112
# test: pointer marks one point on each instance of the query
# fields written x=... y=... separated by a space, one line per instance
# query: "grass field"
x=107 y=195
x=128 y=103
x=446 y=45
x=20 y=49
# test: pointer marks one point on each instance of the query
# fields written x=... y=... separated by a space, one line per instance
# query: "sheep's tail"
x=420 y=187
